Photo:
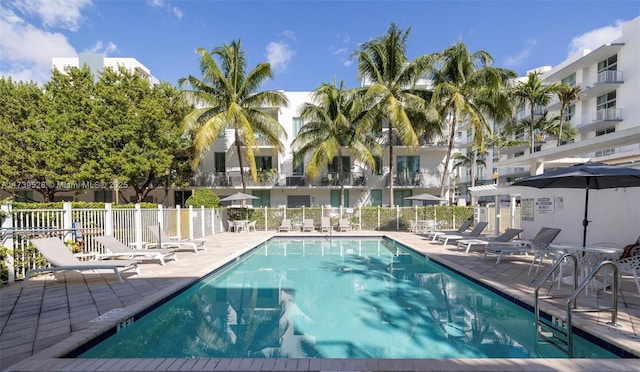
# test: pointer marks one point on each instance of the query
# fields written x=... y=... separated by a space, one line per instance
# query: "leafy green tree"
x=331 y=124
x=136 y=135
x=535 y=94
x=19 y=109
x=469 y=91
x=203 y=197
x=391 y=98
x=545 y=126
x=567 y=94
x=227 y=96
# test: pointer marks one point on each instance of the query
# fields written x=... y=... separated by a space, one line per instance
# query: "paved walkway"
x=50 y=316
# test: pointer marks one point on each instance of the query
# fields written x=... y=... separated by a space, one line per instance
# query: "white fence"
x=79 y=227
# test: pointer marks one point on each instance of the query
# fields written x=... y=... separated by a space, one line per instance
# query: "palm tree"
x=543 y=127
x=392 y=97
x=566 y=94
x=331 y=123
x=228 y=97
x=469 y=91
x=534 y=93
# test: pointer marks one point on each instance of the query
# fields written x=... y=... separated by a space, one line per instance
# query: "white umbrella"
x=239 y=196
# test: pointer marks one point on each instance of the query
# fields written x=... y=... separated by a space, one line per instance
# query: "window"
x=609 y=64
x=263 y=163
x=378 y=162
x=297 y=125
x=220 y=162
x=298 y=170
x=103 y=196
x=346 y=167
x=265 y=198
x=181 y=196
x=570 y=113
x=570 y=80
x=335 y=198
x=24 y=196
x=607 y=69
x=606 y=106
x=399 y=198
x=376 y=197
x=602 y=132
x=518 y=154
x=407 y=170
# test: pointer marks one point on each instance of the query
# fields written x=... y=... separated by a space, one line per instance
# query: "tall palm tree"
x=469 y=91
x=566 y=94
x=227 y=97
x=536 y=94
x=545 y=126
x=331 y=123
x=392 y=97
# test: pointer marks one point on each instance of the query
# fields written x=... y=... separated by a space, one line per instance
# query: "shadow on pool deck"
x=51 y=317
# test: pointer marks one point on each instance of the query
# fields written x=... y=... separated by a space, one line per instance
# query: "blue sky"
x=308 y=42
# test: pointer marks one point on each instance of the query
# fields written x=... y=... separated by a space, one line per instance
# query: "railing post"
x=179 y=222
x=67 y=221
x=108 y=220
x=397 y=217
x=378 y=218
x=202 y=222
x=137 y=224
x=191 y=215
x=7 y=239
x=266 y=210
x=213 y=221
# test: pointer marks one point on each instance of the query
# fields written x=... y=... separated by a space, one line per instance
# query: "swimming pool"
x=334 y=298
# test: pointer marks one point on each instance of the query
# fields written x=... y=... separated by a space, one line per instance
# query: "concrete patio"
x=50 y=317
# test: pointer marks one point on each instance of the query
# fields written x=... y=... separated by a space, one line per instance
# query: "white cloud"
x=177 y=12
x=63 y=14
x=32 y=62
x=289 y=34
x=516 y=60
x=279 y=55
x=343 y=51
x=99 y=47
x=595 y=38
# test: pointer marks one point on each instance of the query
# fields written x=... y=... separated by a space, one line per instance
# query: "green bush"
x=4 y=269
x=203 y=197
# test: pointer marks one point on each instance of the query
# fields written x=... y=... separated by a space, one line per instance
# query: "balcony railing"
x=608 y=77
x=416 y=179
x=610 y=114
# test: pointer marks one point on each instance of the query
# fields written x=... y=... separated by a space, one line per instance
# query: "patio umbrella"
x=590 y=175
x=425 y=197
x=239 y=196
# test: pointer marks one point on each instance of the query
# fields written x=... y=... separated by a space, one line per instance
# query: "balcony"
x=602 y=119
x=606 y=81
x=416 y=179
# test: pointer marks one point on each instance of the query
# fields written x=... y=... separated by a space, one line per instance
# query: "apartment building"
x=280 y=183
x=98 y=62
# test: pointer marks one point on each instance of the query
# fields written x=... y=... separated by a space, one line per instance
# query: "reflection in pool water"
x=335 y=298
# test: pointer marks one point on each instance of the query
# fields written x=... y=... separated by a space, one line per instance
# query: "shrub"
x=203 y=197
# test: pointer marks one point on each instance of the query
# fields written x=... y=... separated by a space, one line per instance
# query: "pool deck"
x=50 y=317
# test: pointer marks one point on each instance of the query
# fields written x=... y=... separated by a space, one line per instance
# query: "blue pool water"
x=335 y=298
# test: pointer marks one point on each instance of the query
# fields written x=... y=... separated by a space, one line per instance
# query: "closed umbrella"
x=590 y=175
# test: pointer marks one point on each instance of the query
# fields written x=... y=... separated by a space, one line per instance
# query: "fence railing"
x=78 y=227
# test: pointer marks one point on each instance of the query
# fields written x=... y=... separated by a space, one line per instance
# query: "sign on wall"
x=527 y=209
x=545 y=205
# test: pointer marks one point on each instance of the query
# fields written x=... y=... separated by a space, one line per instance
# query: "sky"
x=307 y=42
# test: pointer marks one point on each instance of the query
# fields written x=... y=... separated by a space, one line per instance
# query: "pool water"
x=335 y=298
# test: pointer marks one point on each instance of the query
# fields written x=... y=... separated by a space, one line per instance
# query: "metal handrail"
x=583 y=285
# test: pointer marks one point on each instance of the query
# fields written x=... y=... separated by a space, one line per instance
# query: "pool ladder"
x=557 y=331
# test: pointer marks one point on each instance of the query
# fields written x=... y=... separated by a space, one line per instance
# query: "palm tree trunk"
x=445 y=172
x=340 y=178
x=531 y=137
x=390 y=164
x=474 y=171
x=238 y=148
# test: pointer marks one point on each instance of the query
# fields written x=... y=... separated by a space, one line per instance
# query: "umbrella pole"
x=585 y=222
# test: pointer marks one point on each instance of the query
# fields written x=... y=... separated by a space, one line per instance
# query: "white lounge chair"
x=167 y=242
x=530 y=247
x=285 y=226
x=325 y=224
x=433 y=235
x=119 y=249
x=477 y=230
x=344 y=225
x=60 y=259
x=484 y=241
x=308 y=225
